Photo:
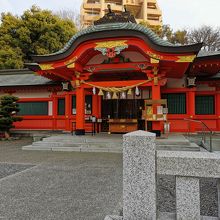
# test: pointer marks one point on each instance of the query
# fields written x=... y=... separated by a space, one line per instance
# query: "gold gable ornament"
x=186 y=59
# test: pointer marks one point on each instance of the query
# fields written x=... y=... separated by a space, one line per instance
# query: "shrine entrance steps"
x=105 y=143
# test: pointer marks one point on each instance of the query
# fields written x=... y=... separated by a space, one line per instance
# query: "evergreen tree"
x=36 y=31
x=8 y=110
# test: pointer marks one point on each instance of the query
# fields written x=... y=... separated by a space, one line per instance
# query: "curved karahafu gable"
x=114 y=30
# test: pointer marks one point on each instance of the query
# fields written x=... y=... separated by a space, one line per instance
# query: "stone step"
x=72 y=149
x=82 y=140
x=190 y=147
x=173 y=142
x=104 y=143
x=76 y=144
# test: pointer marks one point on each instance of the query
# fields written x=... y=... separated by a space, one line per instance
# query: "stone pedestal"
x=139 y=176
x=187 y=198
x=218 y=188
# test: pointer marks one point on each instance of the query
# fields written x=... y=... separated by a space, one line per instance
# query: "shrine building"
x=123 y=75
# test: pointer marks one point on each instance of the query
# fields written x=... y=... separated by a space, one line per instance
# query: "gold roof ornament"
x=186 y=59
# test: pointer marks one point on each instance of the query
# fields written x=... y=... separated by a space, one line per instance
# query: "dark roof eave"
x=156 y=44
x=31 y=85
x=210 y=57
x=33 y=66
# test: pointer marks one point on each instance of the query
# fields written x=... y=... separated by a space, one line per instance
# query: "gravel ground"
x=61 y=173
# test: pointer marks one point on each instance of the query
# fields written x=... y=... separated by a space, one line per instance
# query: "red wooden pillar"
x=218 y=110
x=80 y=111
x=156 y=125
x=191 y=109
x=55 y=104
x=100 y=106
x=68 y=126
x=96 y=107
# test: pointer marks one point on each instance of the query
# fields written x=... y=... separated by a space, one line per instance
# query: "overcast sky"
x=177 y=13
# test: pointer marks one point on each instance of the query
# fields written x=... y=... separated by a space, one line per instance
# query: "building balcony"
x=90 y=17
x=114 y=7
x=154 y=11
x=91 y=6
x=155 y=22
x=134 y=9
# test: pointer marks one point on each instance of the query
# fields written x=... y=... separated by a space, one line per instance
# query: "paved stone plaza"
x=60 y=185
x=73 y=185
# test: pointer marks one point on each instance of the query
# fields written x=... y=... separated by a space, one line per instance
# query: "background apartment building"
x=143 y=10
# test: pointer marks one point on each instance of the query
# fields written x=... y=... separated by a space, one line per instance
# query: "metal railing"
x=206 y=134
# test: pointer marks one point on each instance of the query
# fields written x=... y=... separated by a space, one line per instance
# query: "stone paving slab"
x=7 y=169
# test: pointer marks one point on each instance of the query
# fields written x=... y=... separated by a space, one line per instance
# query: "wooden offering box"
x=122 y=125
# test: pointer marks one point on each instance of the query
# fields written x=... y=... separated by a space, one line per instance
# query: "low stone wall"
x=142 y=163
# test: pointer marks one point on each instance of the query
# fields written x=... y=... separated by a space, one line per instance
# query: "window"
x=205 y=105
x=176 y=103
x=88 y=105
x=61 y=106
x=33 y=108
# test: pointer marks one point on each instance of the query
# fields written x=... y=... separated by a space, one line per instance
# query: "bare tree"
x=208 y=35
x=71 y=15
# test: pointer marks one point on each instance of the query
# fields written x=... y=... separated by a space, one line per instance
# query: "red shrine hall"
x=123 y=77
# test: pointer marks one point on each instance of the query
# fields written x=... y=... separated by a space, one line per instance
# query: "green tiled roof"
x=116 y=26
x=22 y=77
x=203 y=53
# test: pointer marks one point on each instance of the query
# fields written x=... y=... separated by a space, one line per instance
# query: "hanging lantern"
x=101 y=92
x=108 y=95
x=123 y=95
x=94 y=90
x=114 y=96
x=129 y=92
x=137 y=91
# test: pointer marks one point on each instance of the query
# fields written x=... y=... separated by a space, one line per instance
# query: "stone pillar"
x=218 y=188
x=187 y=198
x=139 y=176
